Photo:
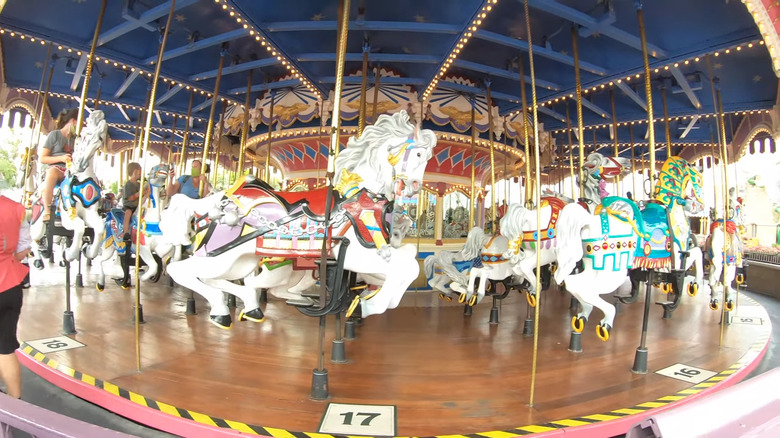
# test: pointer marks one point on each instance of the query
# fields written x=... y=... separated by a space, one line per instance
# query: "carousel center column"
x=438 y=229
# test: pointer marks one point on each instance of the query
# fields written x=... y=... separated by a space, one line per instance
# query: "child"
x=131 y=191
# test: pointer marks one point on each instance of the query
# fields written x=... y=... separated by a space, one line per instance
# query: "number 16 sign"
x=348 y=419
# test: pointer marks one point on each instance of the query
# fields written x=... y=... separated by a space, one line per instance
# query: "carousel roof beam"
x=244 y=66
x=476 y=91
x=596 y=109
x=157 y=115
x=688 y=128
x=129 y=80
x=498 y=72
x=268 y=86
x=633 y=95
x=551 y=113
x=685 y=86
x=583 y=19
x=79 y=72
x=168 y=94
x=203 y=105
x=199 y=45
x=376 y=57
x=122 y=110
x=538 y=51
x=385 y=80
x=362 y=25
x=148 y=16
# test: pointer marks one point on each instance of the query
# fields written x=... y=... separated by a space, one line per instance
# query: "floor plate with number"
x=738 y=319
x=686 y=373
x=55 y=343
x=371 y=420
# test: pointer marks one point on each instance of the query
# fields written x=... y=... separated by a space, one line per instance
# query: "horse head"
x=389 y=158
x=92 y=138
x=597 y=169
x=692 y=191
x=158 y=175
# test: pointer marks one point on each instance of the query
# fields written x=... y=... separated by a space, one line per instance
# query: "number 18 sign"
x=54 y=343
x=370 y=420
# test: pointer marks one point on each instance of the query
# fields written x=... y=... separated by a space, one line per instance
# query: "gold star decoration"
x=419 y=18
x=317 y=17
x=79 y=1
x=564 y=52
x=180 y=18
x=39 y=64
x=717 y=66
x=757 y=78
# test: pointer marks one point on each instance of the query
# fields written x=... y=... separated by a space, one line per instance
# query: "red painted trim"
x=120 y=406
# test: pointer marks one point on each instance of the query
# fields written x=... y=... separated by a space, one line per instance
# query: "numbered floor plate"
x=739 y=319
x=686 y=373
x=55 y=343
x=370 y=420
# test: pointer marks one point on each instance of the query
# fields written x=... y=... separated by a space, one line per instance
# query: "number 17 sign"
x=348 y=419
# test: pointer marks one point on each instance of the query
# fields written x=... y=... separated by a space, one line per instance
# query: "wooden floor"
x=446 y=373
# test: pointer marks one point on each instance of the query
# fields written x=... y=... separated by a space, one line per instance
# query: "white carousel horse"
x=677 y=195
x=152 y=241
x=724 y=251
x=605 y=242
x=487 y=252
x=80 y=192
x=444 y=268
x=250 y=222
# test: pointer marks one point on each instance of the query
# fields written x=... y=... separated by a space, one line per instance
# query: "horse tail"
x=473 y=246
x=448 y=267
x=428 y=266
x=573 y=218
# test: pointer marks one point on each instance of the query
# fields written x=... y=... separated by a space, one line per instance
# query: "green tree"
x=10 y=146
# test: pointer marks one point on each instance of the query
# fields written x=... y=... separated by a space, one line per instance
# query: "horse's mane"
x=175 y=220
x=92 y=137
x=512 y=222
x=474 y=243
x=445 y=259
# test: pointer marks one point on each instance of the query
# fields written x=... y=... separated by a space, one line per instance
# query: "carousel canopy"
x=436 y=59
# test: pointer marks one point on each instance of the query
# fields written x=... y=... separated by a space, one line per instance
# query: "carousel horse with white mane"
x=79 y=193
x=154 y=247
x=251 y=222
x=605 y=242
x=486 y=251
x=444 y=268
x=669 y=248
x=724 y=251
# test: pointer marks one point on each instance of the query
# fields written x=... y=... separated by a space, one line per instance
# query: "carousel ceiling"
x=434 y=58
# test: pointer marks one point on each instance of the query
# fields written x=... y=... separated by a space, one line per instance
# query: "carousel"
x=392 y=219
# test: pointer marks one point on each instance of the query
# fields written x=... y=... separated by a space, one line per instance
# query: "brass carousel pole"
x=36 y=134
x=726 y=201
x=537 y=202
x=377 y=83
x=492 y=162
x=210 y=125
x=145 y=147
x=185 y=138
x=527 y=151
x=615 y=138
x=267 y=174
x=667 y=131
x=88 y=71
x=170 y=145
x=472 y=198
x=245 y=127
x=633 y=161
x=580 y=133
x=363 y=83
x=640 y=356
x=571 y=153
x=218 y=147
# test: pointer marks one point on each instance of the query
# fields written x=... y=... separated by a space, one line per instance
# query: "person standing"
x=15 y=242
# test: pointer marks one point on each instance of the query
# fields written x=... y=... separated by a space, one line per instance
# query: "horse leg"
x=526 y=268
x=731 y=271
x=146 y=255
x=77 y=225
x=605 y=325
x=94 y=221
x=182 y=273
x=411 y=269
x=105 y=255
x=248 y=296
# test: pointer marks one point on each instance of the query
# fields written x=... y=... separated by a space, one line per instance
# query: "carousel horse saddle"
x=654 y=249
x=86 y=192
x=114 y=226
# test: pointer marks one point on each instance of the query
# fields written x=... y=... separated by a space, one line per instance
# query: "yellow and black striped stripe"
x=746 y=359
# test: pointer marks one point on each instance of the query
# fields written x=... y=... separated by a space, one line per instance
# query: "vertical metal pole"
x=669 y=151
x=363 y=83
x=648 y=93
x=145 y=147
x=472 y=198
x=88 y=71
x=267 y=175
x=537 y=202
x=726 y=201
x=615 y=137
x=580 y=133
x=494 y=226
x=527 y=147
x=170 y=145
x=218 y=147
x=185 y=138
x=633 y=161
x=39 y=125
x=377 y=83
x=571 y=153
x=210 y=126
x=245 y=127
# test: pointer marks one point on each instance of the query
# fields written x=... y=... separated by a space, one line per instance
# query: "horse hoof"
x=578 y=323
x=353 y=306
x=38 y=264
x=714 y=305
x=531 y=299
x=62 y=263
x=740 y=279
x=442 y=296
x=602 y=331
x=693 y=289
x=100 y=287
x=448 y=298
x=254 y=315
x=473 y=300
x=224 y=322
x=462 y=298
x=729 y=305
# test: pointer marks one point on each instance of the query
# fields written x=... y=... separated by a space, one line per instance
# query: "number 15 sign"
x=370 y=420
